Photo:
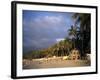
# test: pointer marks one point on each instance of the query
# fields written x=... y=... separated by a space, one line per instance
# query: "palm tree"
x=68 y=45
x=84 y=21
x=73 y=34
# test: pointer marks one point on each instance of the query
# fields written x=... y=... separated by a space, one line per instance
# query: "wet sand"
x=53 y=63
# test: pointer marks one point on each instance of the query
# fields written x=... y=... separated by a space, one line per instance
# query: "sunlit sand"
x=57 y=62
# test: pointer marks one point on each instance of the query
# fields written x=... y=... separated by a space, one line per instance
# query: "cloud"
x=59 y=39
x=46 y=26
x=47 y=21
x=43 y=31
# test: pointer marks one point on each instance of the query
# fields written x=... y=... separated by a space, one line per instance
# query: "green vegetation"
x=60 y=49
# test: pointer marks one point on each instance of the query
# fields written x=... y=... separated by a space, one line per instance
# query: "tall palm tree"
x=84 y=21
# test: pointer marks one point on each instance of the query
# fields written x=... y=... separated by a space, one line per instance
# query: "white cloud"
x=59 y=39
x=47 y=21
x=54 y=19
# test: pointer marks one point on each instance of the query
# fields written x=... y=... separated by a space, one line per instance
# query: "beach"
x=53 y=63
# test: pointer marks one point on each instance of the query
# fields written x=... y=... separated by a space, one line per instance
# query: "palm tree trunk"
x=82 y=44
x=74 y=44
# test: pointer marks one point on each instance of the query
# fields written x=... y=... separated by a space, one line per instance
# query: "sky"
x=42 y=29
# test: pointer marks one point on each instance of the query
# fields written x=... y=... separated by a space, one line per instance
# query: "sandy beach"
x=53 y=63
